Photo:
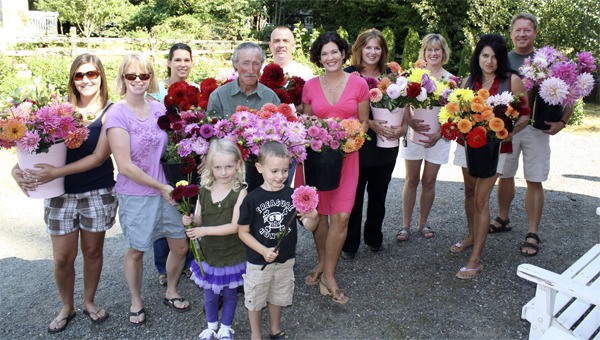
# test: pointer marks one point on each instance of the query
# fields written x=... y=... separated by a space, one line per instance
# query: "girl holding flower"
x=334 y=94
x=433 y=152
x=369 y=59
x=215 y=226
x=491 y=75
x=88 y=183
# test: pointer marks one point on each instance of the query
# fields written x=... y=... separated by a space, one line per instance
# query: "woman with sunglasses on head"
x=179 y=66
x=146 y=209
x=89 y=205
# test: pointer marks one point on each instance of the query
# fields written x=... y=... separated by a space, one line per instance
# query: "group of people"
x=237 y=228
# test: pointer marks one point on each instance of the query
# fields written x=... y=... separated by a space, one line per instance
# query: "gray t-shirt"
x=516 y=60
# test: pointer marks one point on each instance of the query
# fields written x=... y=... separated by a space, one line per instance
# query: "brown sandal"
x=403 y=235
x=336 y=294
x=502 y=228
x=313 y=278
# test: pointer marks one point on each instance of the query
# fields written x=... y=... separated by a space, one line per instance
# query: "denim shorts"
x=145 y=219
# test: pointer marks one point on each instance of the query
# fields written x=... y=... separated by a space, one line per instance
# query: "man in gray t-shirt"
x=534 y=143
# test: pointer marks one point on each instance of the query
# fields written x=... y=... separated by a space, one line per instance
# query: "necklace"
x=487 y=82
x=335 y=88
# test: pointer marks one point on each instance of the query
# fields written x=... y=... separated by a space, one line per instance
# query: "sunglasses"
x=91 y=75
x=142 y=76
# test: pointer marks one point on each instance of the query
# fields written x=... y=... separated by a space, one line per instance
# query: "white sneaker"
x=207 y=334
x=225 y=333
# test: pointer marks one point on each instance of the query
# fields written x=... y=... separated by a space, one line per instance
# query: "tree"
x=412 y=43
x=391 y=42
x=89 y=16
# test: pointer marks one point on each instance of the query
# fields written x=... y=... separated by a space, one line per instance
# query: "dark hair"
x=178 y=46
x=362 y=41
x=87 y=58
x=327 y=37
x=495 y=42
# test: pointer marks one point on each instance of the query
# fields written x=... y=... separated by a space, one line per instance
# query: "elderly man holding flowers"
x=570 y=81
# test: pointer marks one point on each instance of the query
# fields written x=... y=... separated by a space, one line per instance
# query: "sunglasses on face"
x=142 y=76
x=91 y=75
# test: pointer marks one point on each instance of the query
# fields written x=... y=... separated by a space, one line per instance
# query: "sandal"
x=98 y=319
x=502 y=228
x=63 y=327
x=336 y=294
x=468 y=273
x=459 y=247
x=137 y=314
x=534 y=246
x=171 y=304
x=313 y=278
x=280 y=335
x=403 y=235
x=426 y=232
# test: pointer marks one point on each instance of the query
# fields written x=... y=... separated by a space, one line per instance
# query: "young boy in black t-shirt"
x=265 y=212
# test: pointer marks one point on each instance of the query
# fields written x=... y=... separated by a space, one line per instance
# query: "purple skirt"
x=218 y=278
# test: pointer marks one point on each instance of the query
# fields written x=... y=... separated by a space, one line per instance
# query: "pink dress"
x=356 y=91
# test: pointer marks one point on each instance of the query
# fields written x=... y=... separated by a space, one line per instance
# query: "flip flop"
x=98 y=319
x=171 y=304
x=60 y=329
x=138 y=313
x=459 y=247
x=468 y=273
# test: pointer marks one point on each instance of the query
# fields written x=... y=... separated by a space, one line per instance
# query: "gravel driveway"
x=406 y=291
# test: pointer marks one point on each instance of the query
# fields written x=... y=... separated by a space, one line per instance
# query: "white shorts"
x=437 y=154
x=535 y=146
x=460 y=159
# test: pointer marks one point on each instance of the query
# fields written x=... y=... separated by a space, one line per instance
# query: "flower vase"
x=483 y=162
x=393 y=118
x=253 y=178
x=544 y=112
x=323 y=170
x=429 y=117
x=57 y=157
x=173 y=173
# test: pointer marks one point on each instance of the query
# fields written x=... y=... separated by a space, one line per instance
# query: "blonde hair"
x=135 y=59
x=227 y=147
x=434 y=40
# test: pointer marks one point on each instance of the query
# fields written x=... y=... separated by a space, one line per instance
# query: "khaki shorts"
x=274 y=285
x=460 y=159
x=535 y=146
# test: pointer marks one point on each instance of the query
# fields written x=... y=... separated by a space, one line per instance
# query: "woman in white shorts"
x=432 y=151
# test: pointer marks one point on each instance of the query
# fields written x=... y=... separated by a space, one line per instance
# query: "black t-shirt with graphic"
x=267 y=213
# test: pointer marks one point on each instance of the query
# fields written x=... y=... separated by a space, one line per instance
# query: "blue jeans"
x=161 y=251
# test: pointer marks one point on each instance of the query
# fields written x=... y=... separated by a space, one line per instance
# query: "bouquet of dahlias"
x=558 y=80
x=251 y=129
x=186 y=123
x=184 y=194
x=336 y=134
x=288 y=89
x=479 y=117
x=386 y=92
x=40 y=121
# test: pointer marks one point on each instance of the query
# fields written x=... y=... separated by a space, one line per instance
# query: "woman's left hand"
x=432 y=139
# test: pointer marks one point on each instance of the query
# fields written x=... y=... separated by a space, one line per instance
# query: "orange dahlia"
x=464 y=125
x=496 y=124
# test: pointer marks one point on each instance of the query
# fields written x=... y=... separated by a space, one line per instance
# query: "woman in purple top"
x=146 y=210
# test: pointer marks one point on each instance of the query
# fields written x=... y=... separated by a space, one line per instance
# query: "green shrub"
x=578 y=113
x=390 y=39
x=412 y=43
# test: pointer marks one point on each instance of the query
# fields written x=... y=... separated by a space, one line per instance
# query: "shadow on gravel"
x=406 y=291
